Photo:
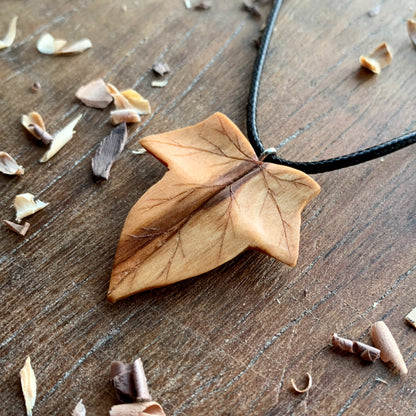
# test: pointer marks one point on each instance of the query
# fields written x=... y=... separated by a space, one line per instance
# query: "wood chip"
x=137 y=409
x=304 y=390
x=61 y=139
x=108 y=152
x=139 y=151
x=129 y=99
x=10 y=35
x=411 y=317
x=34 y=124
x=250 y=7
x=160 y=84
x=127 y=115
x=28 y=382
x=95 y=94
x=411 y=30
x=203 y=5
x=9 y=166
x=17 y=228
x=378 y=59
x=79 y=409
x=374 y=11
x=383 y=339
x=26 y=205
x=48 y=45
x=36 y=87
x=160 y=68
x=77 y=47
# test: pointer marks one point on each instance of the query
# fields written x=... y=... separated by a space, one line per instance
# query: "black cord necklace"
x=219 y=198
x=308 y=167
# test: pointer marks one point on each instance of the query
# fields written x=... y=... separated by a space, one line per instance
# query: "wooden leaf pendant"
x=216 y=200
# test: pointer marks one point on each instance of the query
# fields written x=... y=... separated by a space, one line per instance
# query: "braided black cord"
x=307 y=167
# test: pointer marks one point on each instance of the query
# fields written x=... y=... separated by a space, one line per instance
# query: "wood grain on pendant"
x=216 y=200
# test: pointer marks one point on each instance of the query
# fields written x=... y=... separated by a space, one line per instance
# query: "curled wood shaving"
x=17 y=228
x=36 y=87
x=161 y=68
x=411 y=30
x=48 y=45
x=137 y=409
x=366 y=352
x=10 y=35
x=129 y=99
x=26 y=205
x=304 y=390
x=411 y=317
x=383 y=339
x=378 y=59
x=34 y=124
x=28 y=382
x=9 y=166
x=128 y=115
x=61 y=139
x=79 y=409
x=95 y=94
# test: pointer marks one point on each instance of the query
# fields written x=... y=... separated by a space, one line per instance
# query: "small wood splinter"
x=304 y=390
x=366 y=352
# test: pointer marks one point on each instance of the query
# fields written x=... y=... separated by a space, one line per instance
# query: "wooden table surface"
x=228 y=342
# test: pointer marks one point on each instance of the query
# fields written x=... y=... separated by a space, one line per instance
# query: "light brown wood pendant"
x=216 y=200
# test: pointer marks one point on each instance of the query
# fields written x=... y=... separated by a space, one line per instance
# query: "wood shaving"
x=36 y=87
x=204 y=5
x=411 y=317
x=139 y=151
x=129 y=99
x=108 y=152
x=383 y=339
x=17 y=228
x=374 y=11
x=79 y=409
x=380 y=380
x=304 y=390
x=128 y=115
x=26 y=205
x=160 y=68
x=9 y=166
x=61 y=139
x=10 y=35
x=411 y=30
x=250 y=7
x=137 y=409
x=160 y=84
x=378 y=59
x=188 y=4
x=34 y=124
x=48 y=45
x=366 y=352
x=95 y=94
x=28 y=382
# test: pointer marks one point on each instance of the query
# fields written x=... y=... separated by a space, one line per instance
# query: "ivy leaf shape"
x=216 y=200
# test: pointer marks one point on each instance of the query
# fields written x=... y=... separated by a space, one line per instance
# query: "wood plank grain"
x=228 y=342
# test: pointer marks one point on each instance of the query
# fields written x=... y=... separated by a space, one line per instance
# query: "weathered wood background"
x=226 y=343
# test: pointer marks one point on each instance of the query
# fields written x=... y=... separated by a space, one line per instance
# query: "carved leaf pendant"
x=216 y=200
